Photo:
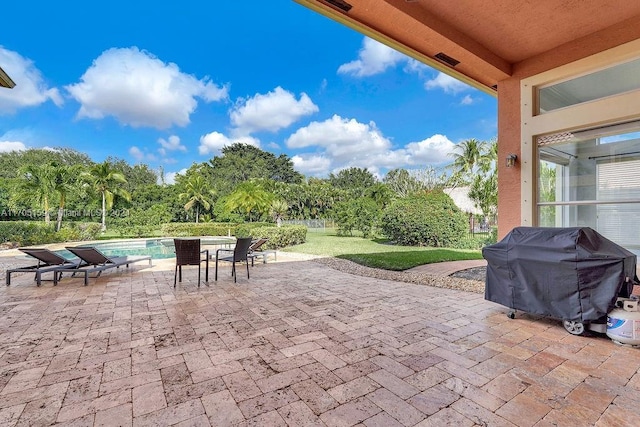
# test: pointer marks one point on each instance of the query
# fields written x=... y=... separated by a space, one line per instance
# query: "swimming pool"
x=157 y=248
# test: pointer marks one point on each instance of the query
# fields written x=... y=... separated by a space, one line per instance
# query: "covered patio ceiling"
x=481 y=42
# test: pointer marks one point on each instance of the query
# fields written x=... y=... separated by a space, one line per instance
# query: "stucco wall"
x=508 y=142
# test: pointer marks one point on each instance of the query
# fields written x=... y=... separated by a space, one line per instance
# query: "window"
x=600 y=84
x=591 y=178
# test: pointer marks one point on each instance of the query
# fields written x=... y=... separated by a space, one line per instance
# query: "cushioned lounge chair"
x=94 y=261
x=237 y=254
x=188 y=252
x=48 y=262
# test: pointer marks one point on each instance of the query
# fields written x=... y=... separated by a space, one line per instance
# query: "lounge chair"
x=188 y=252
x=48 y=262
x=94 y=261
x=255 y=250
x=237 y=254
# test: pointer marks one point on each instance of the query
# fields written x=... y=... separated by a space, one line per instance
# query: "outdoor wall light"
x=511 y=160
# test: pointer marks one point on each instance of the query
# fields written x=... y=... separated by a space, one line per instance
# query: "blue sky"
x=170 y=84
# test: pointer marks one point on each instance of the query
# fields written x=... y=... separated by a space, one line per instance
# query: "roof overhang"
x=482 y=42
x=5 y=80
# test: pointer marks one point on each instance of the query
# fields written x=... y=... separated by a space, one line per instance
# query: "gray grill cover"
x=566 y=273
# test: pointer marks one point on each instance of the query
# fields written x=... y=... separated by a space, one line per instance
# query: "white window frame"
x=601 y=112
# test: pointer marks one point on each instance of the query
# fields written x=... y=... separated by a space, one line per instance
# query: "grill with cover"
x=574 y=274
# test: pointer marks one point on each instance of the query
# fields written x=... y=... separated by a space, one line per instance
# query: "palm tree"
x=278 y=210
x=489 y=156
x=198 y=194
x=38 y=186
x=249 y=197
x=108 y=183
x=65 y=178
x=467 y=156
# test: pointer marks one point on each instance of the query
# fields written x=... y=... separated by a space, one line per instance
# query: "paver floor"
x=299 y=344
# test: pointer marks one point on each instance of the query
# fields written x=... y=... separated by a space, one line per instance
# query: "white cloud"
x=170 y=177
x=139 y=90
x=346 y=143
x=213 y=142
x=373 y=58
x=433 y=150
x=30 y=89
x=343 y=139
x=270 y=112
x=141 y=155
x=8 y=146
x=447 y=83
x=170 y=144
x=413 y=66
x=136 y=153
x=339 y=143
x=310 y=164
x=467 y=100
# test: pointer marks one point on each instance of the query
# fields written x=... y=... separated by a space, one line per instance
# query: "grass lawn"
x=378 y=254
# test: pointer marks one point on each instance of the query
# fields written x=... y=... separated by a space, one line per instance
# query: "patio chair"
x=237 y=254
x=94 y=261
x=188 y=252
x=255 y=250
x=48 y=261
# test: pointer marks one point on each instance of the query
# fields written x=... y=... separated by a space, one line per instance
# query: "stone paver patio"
x=299 y=344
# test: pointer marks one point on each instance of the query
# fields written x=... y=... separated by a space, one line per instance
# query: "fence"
x=312 y=224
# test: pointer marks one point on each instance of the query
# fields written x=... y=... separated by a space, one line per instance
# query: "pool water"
x=157 y=248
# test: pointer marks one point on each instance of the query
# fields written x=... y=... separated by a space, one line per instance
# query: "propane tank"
x=623 y=322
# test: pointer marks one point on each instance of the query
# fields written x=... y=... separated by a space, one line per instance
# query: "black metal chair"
x=188 y=253
x=237 y=254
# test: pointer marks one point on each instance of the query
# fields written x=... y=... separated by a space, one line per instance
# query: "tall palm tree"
x=198 y=193
x=467 y=156
x=489 y=156
x=38 y=186
x=65 y=179
x=106 y=181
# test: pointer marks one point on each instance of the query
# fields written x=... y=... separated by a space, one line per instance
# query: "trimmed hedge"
x=186 y=229
x=279 y=237
x=429 y=219
x=27 y=233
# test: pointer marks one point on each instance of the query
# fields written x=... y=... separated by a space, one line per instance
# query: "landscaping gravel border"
x=447 y=282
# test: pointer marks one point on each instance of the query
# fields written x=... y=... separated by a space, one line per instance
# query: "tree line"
x=243 y=183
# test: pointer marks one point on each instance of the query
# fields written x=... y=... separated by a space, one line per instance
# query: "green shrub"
x=141 y=222
x=279 y=237
x=185 y=229
x=360 y=214
x=79 y=231
x=469 y=242
x=243 y=230
x=493 y=236
x=27 y=233
x=428 y=219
